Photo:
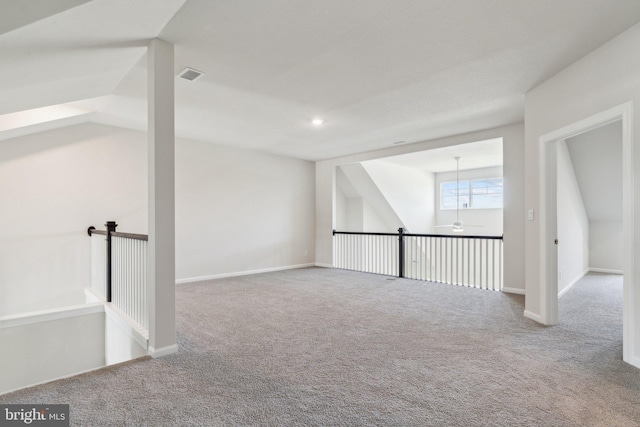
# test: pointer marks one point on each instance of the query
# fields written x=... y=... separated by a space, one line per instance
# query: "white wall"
x=514 y=213
x=573 y=224
x=358 y=216
x=240 y=210
x=341 y=210
x=355 y=214
x=409 y=191
x=236 y=210
x=604 y=79
x=597 y=162
x=356 y=183
x=372 y=220
x=122 y=342
x=430 y=195
x=54 y=344
x=606 y=240
x=490 y=219
x=391 y=196
x=50 y=349
x=53 y=186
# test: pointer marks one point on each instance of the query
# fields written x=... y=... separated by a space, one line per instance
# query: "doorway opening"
x=556 y=219
x=589 y=205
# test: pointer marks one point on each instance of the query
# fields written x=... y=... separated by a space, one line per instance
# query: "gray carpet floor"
x=323 y=347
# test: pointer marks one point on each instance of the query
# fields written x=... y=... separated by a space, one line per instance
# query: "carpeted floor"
x=336 y=348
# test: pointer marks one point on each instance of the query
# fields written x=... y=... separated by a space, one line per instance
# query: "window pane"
x=449 y=195
x=477 y=194
x=450 y=202
x=487 y=193
x=451 y=189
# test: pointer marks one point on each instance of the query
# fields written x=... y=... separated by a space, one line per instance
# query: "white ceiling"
x=474 y=155
x=377 y=71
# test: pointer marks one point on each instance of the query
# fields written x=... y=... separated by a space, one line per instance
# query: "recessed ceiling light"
x=317 y=122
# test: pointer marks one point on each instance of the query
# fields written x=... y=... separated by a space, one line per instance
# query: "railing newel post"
x=111 y=227
x=401 y=252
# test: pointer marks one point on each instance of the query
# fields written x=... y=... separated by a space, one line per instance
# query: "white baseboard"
x=533 y=316
x=243 y=273
x=573 y=282
x=163 y=351
x=323 y=265
x=635 y=362
x=605 y=270
x=516 y=291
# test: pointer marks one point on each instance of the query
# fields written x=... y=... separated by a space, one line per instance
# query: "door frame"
x=548 y=219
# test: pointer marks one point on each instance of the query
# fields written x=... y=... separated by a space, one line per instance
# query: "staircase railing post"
x=400 y=252
x=111 y=227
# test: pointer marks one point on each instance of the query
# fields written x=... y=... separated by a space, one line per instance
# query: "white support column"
x=161 y=249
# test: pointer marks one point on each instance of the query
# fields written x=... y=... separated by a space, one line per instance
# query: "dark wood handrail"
x=453 y=236
x=92 y=230
x=364 y=233
x=130 y=236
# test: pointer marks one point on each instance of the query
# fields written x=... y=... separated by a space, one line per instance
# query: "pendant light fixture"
x=457 y=226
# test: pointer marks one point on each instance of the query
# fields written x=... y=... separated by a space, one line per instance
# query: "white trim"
x=69 y=376
x=635 y=362
x=536 y=317
x=243 y=273
x=548 y=219
x=323 y=265
x=162 y=351
x=90 y=296
x=547 y=225
x=628 y=220
x=131 y=328
x=22 y=319
x=52 y=380
x=605 y=270
x=590 y=123
x=572 y=284
x=516 y=291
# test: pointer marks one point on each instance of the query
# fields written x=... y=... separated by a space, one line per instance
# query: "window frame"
x=469 y=195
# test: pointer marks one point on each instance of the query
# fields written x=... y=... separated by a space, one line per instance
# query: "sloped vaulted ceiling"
x=16 y=14
x=71 y=50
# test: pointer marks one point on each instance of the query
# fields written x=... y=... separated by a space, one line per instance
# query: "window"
x=474 y=194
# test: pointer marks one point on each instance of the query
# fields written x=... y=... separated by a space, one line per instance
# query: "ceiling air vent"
x=190 y=74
